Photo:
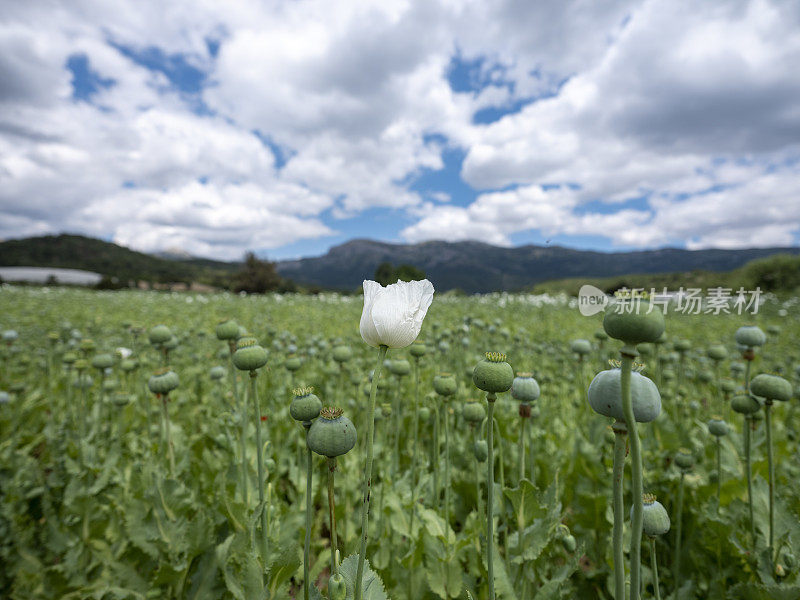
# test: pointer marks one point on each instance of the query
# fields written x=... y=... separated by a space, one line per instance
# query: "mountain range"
x=477 y=267
x=469 y=266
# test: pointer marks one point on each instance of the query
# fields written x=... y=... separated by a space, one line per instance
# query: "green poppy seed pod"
x=227 y=329
x=121 y=400
x=705 y=376
x=635 y=327
x=341 y=354
x=473 y=412
x=525 y=388
x=81 y=382
x=655 y=520
x=4 y=398
x=163 y=381
x=171 y=343
x=717 y=352
x=600 y=335
x=727 y=386
x=684 y=459
x=87 y=345
x=102 y=361
x=771 y=387
x=69 y=358
x=493 y=374
x=605 y=396
x=293 y=363
x=774 y=329
x=750 y=336
x=127 y=365
x=744 y=404
x=332 y=434
x=444 y=384
x=682 y=345
x=400 y=367
x=160 y=334
x=418 y=349
x=217 y=372
x=717 y=427
x=481 y=450
x=305 y=405
x=337 y=587
x=10 y=335
x=580 y=347
x=568 y=543
x=109 y=385
x=737 y=368
x=386 y=410
x=424 y=414
x=81 y=364
x=249 y=356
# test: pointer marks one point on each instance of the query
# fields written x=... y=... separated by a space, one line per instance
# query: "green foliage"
x=256 y=276
x=89 y=509
x=776 y=273
x=386 y=273
x=90 y=254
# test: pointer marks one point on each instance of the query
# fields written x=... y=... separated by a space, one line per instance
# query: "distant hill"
x=775 y=273
x=90 y=254
x=476 y=267
x=469 y=266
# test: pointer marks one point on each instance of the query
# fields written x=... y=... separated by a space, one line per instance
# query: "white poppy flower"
x=124 y=352
x=393 y=314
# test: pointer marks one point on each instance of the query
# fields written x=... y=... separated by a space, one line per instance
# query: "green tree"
x=774 y=273
x=408 y=273
x=384 y=274
x=256 y=276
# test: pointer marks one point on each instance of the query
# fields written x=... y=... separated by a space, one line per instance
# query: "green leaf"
x=756 y=591
x=525 y=502
x=283 y=565
x=371 y=584
x=502 y=582
x=202 y=583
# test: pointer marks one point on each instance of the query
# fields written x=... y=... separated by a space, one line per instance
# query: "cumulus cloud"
x=303 y=113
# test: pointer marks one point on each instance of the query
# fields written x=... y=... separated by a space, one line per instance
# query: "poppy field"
x=402 y=444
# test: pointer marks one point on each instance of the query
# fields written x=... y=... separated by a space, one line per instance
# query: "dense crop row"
x=140 y=475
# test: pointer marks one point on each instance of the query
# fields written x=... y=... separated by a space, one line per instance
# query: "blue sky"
x=292 y=129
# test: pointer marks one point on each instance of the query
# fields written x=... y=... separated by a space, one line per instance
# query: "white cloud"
x=762 y=211
x=206 y=219
x=694 y=106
